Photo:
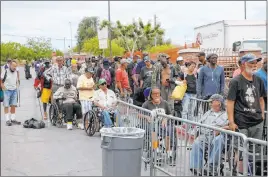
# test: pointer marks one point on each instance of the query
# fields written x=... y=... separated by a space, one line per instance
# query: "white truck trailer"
x=232 y=34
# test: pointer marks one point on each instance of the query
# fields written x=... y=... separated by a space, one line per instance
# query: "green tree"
x=92 y=46
x=59 y=53
x=132 y=35
x=87 y=29
x=160 y=48
x=25 y=53
x=9 y=50
x=41 y=47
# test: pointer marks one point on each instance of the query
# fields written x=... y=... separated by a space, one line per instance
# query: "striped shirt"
x=58 y=75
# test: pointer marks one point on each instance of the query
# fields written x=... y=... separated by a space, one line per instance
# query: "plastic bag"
x=178 y=92
x=123 y=132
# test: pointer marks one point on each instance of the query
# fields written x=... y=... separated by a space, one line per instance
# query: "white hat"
x=179 y=59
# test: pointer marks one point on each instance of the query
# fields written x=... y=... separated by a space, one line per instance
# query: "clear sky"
x=178 y=18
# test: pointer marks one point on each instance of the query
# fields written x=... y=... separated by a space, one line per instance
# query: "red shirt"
x=122 y=77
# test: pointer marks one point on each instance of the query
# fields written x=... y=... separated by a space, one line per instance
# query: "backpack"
x=106 y=74
x=134 y=70
x=33 y=123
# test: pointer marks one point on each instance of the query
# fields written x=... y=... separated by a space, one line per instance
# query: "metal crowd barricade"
x=181 y=147
x=256 y=161
x=196 y=108
x=265 y=123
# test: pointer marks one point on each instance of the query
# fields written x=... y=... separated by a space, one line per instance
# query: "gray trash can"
x=121 y=151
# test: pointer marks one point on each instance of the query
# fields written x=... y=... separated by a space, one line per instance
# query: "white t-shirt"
x=106 y=100
x=11 y=79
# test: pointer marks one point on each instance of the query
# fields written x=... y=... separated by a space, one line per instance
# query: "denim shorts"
x=10 y=98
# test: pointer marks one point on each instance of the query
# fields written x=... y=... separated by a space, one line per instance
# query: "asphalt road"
x=49 y=151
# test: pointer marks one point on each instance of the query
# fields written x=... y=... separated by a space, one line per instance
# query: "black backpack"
x=33 y=123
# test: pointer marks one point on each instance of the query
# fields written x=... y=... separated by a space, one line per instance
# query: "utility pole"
x=64 y=43
x=71 y=35
x=155 y=38
x=109 y=29
x=245 y=6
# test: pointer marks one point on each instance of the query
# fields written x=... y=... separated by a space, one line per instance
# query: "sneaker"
x=69 y=126
x=81 y=126
x=15 y=122
x=8 y=123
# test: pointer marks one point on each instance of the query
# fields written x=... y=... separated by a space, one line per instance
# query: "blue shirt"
x=263 y=75
x=210 y=81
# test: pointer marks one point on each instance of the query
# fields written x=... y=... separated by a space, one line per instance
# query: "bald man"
x=9 y=84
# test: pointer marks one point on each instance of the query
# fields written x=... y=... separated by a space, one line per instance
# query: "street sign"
x=103 y=33
x=103 y=43
x=103 y=37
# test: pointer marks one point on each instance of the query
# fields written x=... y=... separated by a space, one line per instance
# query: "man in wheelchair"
x=70 y=105
x=217 y=117
x=105 y=99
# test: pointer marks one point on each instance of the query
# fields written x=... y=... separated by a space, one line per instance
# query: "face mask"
x=139 y=60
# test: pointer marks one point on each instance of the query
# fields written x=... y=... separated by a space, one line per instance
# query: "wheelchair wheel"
x=90 y=123
x=53 y=114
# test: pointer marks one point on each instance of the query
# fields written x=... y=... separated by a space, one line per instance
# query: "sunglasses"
x=103 y=83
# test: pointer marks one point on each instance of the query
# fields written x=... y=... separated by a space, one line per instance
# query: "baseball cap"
x=180 y=59
x=101 y=81
x=105 y=60
x=123 y=61
x=211 y=55
x=201 y=54
x=89 y=70
x=249 y=58
x=73 y=61
x=146 y=59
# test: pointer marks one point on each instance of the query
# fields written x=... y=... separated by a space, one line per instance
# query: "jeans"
x=10 y=97
x=186 y=102
x=196 y=154
x=106 y=117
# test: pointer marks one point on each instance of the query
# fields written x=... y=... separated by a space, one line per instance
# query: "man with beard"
x=9 y=84
x=211 y=79
x=245 y=103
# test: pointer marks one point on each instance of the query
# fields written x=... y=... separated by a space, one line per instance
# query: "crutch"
x=18 y=97
x=40 y=107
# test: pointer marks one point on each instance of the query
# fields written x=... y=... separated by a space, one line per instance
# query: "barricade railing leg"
x=245 y=157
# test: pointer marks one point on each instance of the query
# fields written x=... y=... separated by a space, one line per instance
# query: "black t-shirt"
x=246 y=94
x=191 y=83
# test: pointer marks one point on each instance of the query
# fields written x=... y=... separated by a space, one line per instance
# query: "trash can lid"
x=123 y=132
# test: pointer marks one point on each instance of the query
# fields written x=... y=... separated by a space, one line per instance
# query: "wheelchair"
x=93 y=120
x=57 y=115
